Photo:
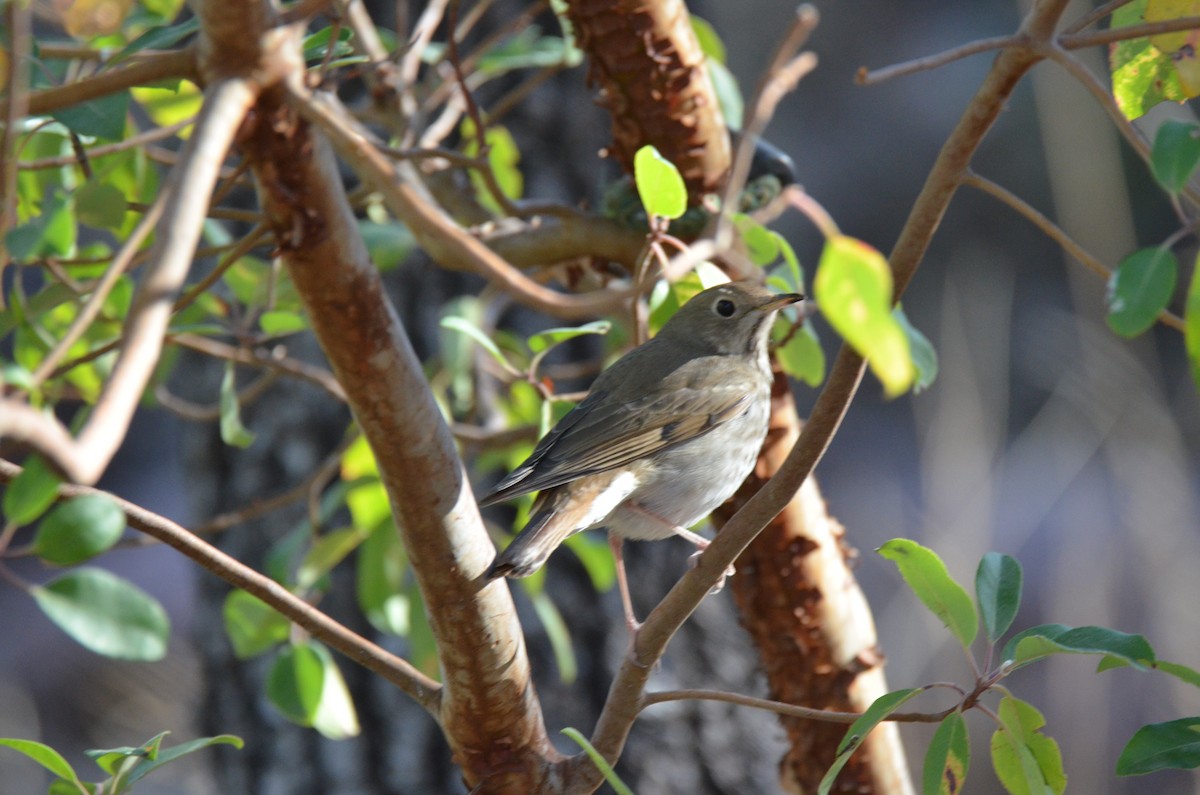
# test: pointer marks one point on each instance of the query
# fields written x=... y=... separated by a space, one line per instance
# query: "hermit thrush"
x=666 y=434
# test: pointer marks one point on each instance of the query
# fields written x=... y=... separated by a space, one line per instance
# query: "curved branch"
x=871 y=77
x=396 y=670
x=145 y=69
x=436 y=232
x=1075 y=41
x=1055 y=233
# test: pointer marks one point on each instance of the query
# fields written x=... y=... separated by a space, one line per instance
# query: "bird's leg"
x=701 y=543
x=614 y=542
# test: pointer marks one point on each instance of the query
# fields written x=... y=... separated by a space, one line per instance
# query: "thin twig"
x=258 y=358
x=196 y=412
x=1055 y=233
x=1095 y=15
x=871 y=77
x=88 y=312
x=791 y=710
x=97 y=152
x=1076 y=41
x=146 y=68
x=436 y=232
x=356 y=648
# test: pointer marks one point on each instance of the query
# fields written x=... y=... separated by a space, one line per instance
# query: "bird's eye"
x=724 y=307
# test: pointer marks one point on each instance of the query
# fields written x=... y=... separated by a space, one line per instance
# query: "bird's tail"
x=546 y=530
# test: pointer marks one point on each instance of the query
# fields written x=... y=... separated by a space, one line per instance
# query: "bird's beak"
x=780 y=301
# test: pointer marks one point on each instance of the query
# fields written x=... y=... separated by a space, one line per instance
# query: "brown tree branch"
x=487 y=697
x=394 y=669
x=143 y=68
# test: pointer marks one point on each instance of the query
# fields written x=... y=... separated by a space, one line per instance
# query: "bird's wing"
x=605 y=435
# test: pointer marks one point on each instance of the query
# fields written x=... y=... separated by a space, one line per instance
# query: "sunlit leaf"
x=1191 y=324
x=544 y=340
x=44 y=755
x=853 y=288
x=926 y=574
x=295 y=682
x=380 y=576
x=335 y=716
x=659 y=184
x=233 y=432
x=1026 y=761
x=252 y=625
x=610 y=776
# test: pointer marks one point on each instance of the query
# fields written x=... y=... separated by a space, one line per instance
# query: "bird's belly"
x=684 y=484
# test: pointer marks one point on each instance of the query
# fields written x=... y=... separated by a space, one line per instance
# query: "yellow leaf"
x=86 y=19
x=1182 y=46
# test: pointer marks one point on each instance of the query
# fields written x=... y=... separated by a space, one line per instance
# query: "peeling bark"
x=648 y=66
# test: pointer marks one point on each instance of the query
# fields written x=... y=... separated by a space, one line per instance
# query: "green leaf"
x=802 y=357
x=233 y=433
x=50 y=232
x=599 y=761
x=389 y=243
x=729 y=94
x=926 y=574
x=558 y=635
x=45 y=756
x=1175 y=154
x=1173 y=745
x=79 y=529
x=761 y=243
x=924 y=357
x=659 y=184
x=1140 y=288
x=464 y=326
x=998 y=592
x=882 y=707
x=167 y=106
x=168 y=755
x=380 y=572
x=102 y=117
x=327 y=551
x=252 y=625
x=158 y=38
x=276 y=323
x=111 y=759
x=545 y=340
x=1042 y=641
x=101 y=205
x=710 y=41
x=1191 y=324
x=853 y=287
x=105 y=614
x=30 y=493
x=295 y=682
x=596 y=558
x=948 y=757
x=1026 y=761
x=335 y=716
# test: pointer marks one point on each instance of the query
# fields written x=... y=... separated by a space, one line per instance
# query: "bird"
x=666 y=434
